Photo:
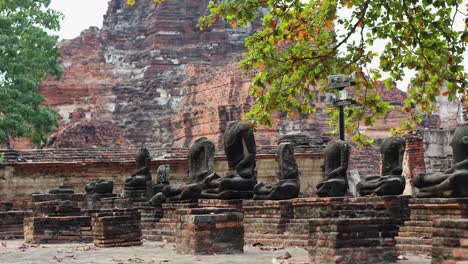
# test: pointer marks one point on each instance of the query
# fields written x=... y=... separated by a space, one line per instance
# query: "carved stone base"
x=415 y=236
x=209 y=231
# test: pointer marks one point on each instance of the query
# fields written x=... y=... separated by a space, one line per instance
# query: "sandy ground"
x=14 y=251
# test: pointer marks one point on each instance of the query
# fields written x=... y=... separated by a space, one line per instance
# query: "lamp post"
x=338 y=83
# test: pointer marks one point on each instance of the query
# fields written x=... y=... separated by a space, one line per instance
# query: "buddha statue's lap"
x=201 y=160
x=140 y=178
x=334 y=182
x=391 y=182
x=240 y=149
x=288 y=185
x=454 y=181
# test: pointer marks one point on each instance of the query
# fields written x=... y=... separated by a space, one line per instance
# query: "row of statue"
x=240 y=182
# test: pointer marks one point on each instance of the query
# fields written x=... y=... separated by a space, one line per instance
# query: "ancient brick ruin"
x=150 y=78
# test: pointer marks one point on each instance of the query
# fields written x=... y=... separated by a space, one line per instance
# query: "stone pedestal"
x=166 y=229
x=210 y=231
x=117 y=228
x=450 y=241
x=11 y=224
x=63 y=229
x=415 y=237
x=265 y=222
x=358 y=240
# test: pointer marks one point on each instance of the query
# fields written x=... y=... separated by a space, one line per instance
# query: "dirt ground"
x=14 y=251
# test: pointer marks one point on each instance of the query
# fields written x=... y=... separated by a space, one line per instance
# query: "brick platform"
x=210 y=231
x=358 y=240
x=265 y=222
x=393 y=207
x=77 y=197
x=11 y=224
x=56 y=208
x=415 y=237
x=57 y=219
x=450 y=241
x=117 y=228
x=213 y=203
x=166 y=229
x=150 y=217
x=94 y=201
x=64 y=229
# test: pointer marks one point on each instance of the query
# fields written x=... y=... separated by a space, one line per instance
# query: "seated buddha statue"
x=335 y=181
x=288 y=185
x=143 y=174
x=201 y=162
x=453 y=183
x=240 y=149
x=391 y=182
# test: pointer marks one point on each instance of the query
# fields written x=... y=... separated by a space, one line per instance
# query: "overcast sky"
x=82 y=14
x=79 y=15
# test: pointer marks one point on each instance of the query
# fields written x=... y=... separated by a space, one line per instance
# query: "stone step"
x=414 y=249
x=412 y=241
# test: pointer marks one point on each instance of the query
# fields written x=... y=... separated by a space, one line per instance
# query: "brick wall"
x=19 y=180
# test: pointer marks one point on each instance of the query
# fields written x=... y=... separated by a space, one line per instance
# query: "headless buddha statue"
x=391 y=182
x=201 y=161
x=99 y=187
x=335 y=181
x=453 y=183
x=288 y=185
x=240 y=149
x=143 y=174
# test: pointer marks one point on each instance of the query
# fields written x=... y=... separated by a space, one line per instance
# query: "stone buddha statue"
x=240 y=149
x=288 y=186
x=454 y=181
x=201 y=162
x=143 y=174
x=99 y=187
x=162 y=180
x=335 y=181
x=391 y=182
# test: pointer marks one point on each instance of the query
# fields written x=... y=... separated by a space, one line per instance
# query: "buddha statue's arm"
x=344 y=158
x=250 y=147
x=144 y=170
x=401 y=154
x=458 y=166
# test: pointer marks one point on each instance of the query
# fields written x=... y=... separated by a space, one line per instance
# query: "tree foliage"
x=304 y=41
x=27 y=54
